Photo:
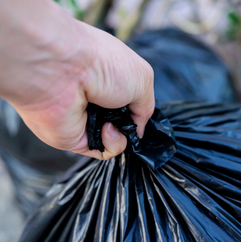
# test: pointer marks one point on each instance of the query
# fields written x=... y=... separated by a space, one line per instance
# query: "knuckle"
x=149 y=74
x=151 y=109
x=147 y=83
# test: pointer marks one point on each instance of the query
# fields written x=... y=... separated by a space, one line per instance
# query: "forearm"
x=26 y=15
x=31 y=32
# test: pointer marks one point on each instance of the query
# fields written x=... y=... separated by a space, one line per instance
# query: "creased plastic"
x=33 y=165
x=184 y=68
x=158 y=143
x=195 y=196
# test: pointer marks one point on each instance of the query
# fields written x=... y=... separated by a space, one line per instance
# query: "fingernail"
x=113 y=132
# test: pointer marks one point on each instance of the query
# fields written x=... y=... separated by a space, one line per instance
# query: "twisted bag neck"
x=155 y=148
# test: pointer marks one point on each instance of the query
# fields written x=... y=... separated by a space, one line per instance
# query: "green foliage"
x=78 y=13
x=234 y=28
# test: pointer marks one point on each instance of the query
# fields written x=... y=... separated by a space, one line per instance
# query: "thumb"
x=114 y=141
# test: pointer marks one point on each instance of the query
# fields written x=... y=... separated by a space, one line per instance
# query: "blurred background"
x=214 y=22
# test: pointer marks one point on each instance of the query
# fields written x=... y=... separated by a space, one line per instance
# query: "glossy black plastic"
x=156 y=147
x=195 y=196
x=184 y=68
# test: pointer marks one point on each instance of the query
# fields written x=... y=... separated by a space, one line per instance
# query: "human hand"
x=51 y=68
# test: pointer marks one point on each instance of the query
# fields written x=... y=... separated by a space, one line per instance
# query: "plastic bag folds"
x=158 y=143
x=195 y=196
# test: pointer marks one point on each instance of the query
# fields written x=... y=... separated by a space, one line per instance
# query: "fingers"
x=123 y=78
x=142 y=107
x=113 y=141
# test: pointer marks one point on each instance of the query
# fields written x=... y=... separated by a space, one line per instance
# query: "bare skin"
x=52 y=65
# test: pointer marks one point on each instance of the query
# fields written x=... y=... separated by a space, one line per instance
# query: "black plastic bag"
x=195 y=196
x=184 y=67
x=33 y=166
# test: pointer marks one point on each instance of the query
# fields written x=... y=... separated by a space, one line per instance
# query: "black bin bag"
x=185 y=69
x=33 y=165
x=162 y=188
